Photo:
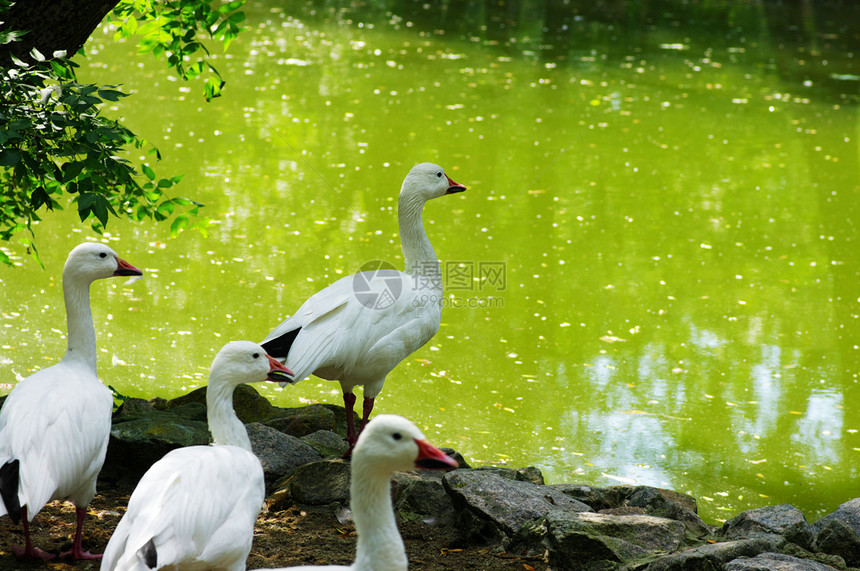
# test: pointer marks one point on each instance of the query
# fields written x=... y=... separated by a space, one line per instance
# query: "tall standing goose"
x=55 y=424
x=390 y=443
x=360 y=327
x=195 y=508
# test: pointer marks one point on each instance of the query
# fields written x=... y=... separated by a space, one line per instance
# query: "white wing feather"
x=57 y=424
x=344 y=339
x=198 y=505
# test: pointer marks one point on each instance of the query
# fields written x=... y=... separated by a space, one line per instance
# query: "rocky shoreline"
x=505 y=511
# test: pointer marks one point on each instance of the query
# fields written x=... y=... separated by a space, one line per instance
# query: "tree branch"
x=52 y=25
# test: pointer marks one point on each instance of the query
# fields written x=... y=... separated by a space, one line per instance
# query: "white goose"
x=55 y=424
x=195 y=508
x=359 y=328
x=390 y=443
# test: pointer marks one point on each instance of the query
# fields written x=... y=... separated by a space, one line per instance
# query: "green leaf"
x=101 y=208
x=90 y=100
x=230 y=6
x=21 y=125
x=181 y=223
x=111 y=94
x=165 y=209
x=71 y=170
x=85 y=205
x=9 y=157
x=150 y=174
x=212 y=88
x=129 y=27
x=40 y=197
x=60 y=70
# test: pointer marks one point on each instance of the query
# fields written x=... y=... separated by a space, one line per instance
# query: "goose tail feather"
x=9 y=478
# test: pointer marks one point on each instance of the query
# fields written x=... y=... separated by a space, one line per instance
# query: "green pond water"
x=652 y=277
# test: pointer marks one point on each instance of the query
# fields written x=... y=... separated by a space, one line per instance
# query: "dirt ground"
x=291 y=537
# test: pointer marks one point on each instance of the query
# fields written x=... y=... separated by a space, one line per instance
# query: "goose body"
x=359 y=328
x=195 y=508
x=389 y=443
x=55 y=424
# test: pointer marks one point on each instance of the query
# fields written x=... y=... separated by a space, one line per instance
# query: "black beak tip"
x=125 y=272
x=280 y=377
x=432 y=464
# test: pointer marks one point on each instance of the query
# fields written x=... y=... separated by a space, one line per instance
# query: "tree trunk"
x=51 y=25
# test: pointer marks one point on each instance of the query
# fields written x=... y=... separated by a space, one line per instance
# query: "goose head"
x=93 y=261
x=426 y=181
x=241 y=362
x=390 y=443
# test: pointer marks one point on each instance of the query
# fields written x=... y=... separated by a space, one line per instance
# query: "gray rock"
x=673 y=505
x=305 y=420
x=329 y=444
x=133 y=408
x=137 y=443
x=572 y=550
x=715 y=556
x=319 y=483
x=649 y=532
x=249 y=405
x=163 y=430
x=839 y=533
x=489 y=507
x=528 y=474
x=776 y=562
x=421 y=496
x=279 y=453
x=598 y=499
x=191 y=411
x=594 y=540
x=784 y=520
x=640 y=499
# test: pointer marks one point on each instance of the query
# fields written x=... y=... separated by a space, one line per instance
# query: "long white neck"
x=225 y=426
x=81 y=346
x=379 y=547
x=417 y=250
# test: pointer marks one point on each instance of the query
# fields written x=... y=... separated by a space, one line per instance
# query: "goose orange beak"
x=431 y=458
x=454 y=186
x=123 y=268
x=278 y=372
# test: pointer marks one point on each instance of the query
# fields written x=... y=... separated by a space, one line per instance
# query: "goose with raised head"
x=359 y=328
x=195 y=508
x=390 y=443
x=55 y=424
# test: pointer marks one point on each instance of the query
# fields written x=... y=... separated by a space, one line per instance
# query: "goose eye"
x=102 y=255
x=439 y=174
x=396 y=436
x=256 y=355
